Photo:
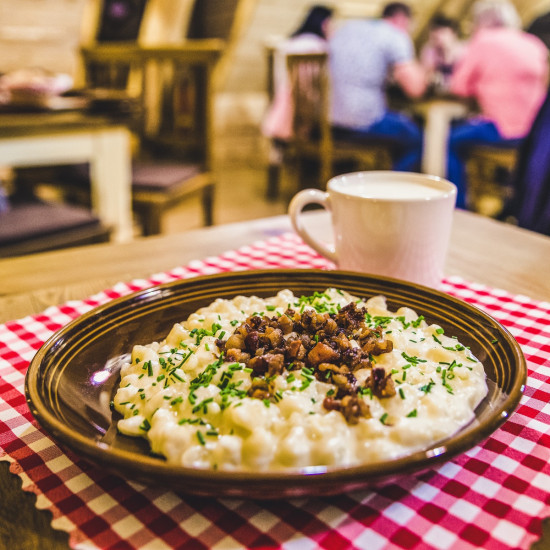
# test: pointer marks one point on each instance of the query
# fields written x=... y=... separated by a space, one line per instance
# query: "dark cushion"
x=27 y=220
x=146 y=176
x=156 y=176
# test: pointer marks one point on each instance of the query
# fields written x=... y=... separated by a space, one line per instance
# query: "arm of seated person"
x=411 y=77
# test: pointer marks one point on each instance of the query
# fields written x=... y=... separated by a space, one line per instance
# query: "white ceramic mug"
x=395 y=224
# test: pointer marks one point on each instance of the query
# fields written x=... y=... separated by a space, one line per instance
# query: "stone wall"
x=40 y=33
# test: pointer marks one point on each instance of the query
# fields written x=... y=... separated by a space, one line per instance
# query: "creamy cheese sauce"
x=193 y=406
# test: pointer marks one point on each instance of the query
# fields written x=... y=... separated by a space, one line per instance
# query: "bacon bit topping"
x=319 y=342
x=381 y=384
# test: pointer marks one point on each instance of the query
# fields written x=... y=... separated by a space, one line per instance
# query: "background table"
x=482 y=250
x=66 y=137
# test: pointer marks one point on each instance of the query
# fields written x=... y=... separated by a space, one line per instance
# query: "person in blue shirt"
x=364 y=56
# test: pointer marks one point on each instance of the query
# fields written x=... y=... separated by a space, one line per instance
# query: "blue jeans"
x=404 y=135
x=464 y=136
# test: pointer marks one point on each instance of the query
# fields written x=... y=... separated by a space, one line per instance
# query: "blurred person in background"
x=364 y=55
x=505 y=70
x=441 y=52
x=310 y=37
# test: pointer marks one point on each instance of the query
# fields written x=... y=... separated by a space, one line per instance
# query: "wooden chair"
x=148 y=60
x=313 y=138
x=489 y=170
x=173 y=86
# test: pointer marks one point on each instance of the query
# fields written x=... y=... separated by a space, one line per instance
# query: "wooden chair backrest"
x=173 y=86
x=309 y=76
x=310 y=90
x=309 y=83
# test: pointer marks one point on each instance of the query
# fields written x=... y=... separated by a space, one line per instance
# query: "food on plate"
x=290 y=382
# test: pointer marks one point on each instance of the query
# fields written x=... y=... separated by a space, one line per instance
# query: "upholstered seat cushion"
x=161 y=176
x=146 y=176
x=28 y=220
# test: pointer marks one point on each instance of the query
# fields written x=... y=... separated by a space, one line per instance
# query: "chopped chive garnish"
x=145 y=425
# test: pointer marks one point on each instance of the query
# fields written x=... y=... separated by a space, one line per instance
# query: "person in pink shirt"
x=506 y=71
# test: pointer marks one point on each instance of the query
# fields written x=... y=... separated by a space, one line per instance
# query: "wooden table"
x=482 y=250
x=65 y=137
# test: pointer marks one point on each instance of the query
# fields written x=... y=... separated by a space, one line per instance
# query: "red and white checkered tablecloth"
x=493 y=496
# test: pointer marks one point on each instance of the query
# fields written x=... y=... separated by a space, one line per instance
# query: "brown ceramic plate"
x=74 y=376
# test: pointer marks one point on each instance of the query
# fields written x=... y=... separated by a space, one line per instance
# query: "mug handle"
x=297 y=204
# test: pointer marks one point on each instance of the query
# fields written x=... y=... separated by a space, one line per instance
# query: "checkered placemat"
x=493 y=496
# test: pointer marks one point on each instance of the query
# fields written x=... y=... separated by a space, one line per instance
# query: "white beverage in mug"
x=395 y=224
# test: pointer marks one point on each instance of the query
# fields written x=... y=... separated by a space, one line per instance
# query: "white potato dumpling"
x=258 y=449
x=377 y=305
x=380 y=449
x=227 y=452
x=204 y=404
x=295 y=402
x=195 y=320
x=370 y=428
x=129 y=368
x=191 y=366
x=239 y=377
x=176 y=335
x=283 y=298
x=363 y=374
x=415 y=375
x=247 y=305
x=331 y=439
x=415 y=349
x=249 y=415
x=438 y=354
x=145 y=371
x=408 y=313
x=167 y=437
x=155 y=400
x=197 y=456
x=210 y=320
x=219 y=305
x=462 y=374
x=412 y=432
x=204 y=353
x=471 y=395
x=140 y=354
x=131 y=425
x=399 y=340
x=127 y=390
x=319 y=427
x=333 y=451
x=436 y=403
x=294 y=449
